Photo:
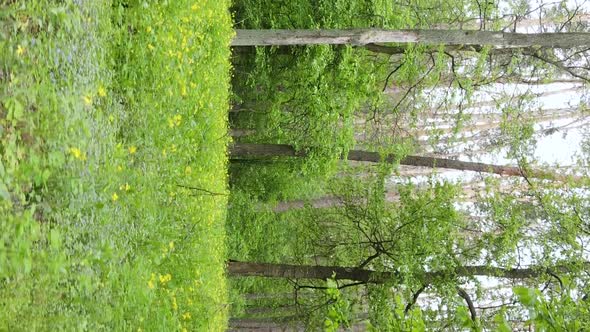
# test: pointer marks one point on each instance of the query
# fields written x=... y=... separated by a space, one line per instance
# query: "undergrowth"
x=113 y=138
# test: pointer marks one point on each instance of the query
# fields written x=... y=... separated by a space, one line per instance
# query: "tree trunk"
x=242 y=269
x=246 y=269
x=263 y=325
x=255 y=151
x=427 y=37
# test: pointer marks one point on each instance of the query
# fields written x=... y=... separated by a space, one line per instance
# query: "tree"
x=246 y=150
x=277 y=37
x=360 y=276
x=365 y=276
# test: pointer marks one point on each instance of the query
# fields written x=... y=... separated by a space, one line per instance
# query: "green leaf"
x=525 y=295
x=27 y=264
x=464 y=317
x=54 y=239
x=15 y=109
x=501 y=324
x=4 y=194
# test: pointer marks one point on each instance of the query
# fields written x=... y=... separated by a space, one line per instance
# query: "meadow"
x=113 y=168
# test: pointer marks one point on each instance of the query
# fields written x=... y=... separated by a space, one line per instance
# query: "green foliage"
x=304 y=96
x=415 y=227
x=99 y=125
x=306 y=99
x=560 y=312
x=338 y=309
x=508 y=217
x=277 y=180
x=388 y=312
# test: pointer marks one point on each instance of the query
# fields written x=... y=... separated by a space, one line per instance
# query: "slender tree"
x=426 y=37
x=365 y=276
x=254 y=151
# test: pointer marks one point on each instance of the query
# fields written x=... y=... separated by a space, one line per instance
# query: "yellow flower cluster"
x=164 y=279
x=20 y=50
x=175 y=121
x=87 y=100
x=125 y=187
x=77 y=153
x=122 y=188
x=101 y=91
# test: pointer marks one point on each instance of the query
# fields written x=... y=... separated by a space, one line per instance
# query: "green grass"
x=108 y=114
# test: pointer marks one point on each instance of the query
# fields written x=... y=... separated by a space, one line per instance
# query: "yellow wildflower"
x=188 y=170
x=132 y=149
x=87 y=100
x=78 y=154
x=20 y=50
x=119 y=168
x=148 y=29
x=175 y=120
x=186 y=316
x=165 y=278
x=171 y=245
x=115 y=197
x=174 y=304
x=151 y=47
x=125 y=187
x=101 y=91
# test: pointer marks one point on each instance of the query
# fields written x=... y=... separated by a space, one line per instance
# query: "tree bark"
x=267 y=270
x=263 y=325
x=255 y=151
x=428 y=37
x=245 y=269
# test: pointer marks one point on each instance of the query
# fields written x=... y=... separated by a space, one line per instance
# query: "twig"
x=205 y=191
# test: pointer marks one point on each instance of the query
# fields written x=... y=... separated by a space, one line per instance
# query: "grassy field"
x=113 y=175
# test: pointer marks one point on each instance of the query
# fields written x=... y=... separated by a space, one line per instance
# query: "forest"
x=310 y=165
